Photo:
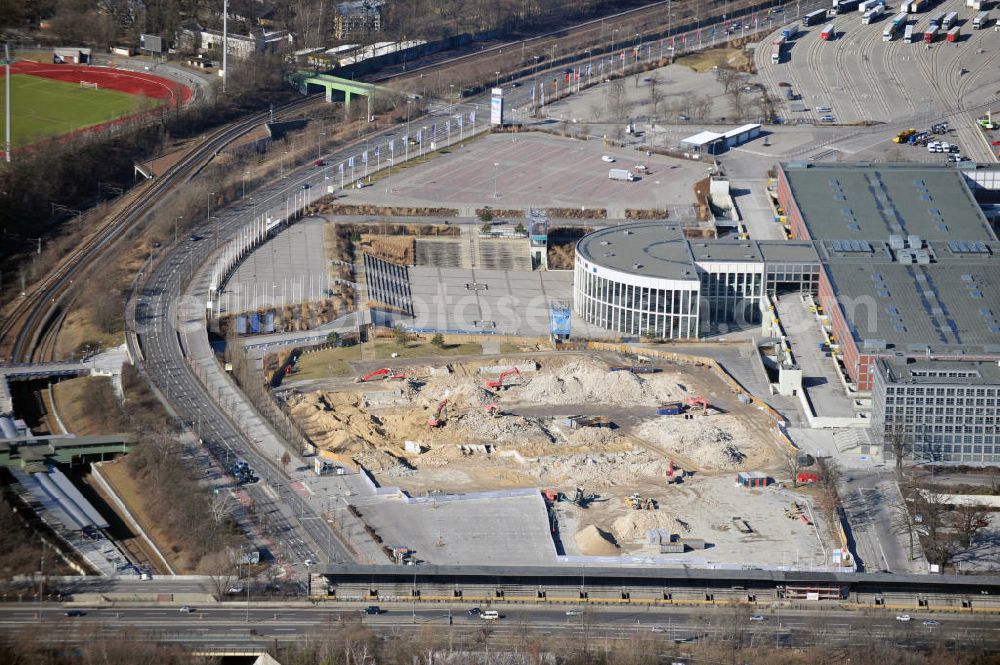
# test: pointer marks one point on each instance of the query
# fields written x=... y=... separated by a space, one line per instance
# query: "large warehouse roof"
x=874 y=201
x=950 y=309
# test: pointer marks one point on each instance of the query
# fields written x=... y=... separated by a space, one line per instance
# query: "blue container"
x=241 y=325
x=255 y=324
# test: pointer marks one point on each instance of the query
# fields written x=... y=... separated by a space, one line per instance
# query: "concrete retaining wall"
x=124 y=511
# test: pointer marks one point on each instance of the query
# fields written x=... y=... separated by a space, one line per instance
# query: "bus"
x=812 y=18
x=908 y=35
x=981 y=21
x=949 y=20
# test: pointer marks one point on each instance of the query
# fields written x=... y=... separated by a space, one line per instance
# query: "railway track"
x=27 y=328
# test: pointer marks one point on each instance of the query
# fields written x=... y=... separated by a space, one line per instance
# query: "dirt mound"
x=594 y=542
x=714 y=442
x=604 y=470
x=586 y=380
x=504 y=429
x=634 y=525
x=594 y=437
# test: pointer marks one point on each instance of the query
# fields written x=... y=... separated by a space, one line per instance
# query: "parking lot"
x=862 y=78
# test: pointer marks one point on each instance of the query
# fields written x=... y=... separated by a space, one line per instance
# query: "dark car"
x=74 y=613
x=306 y=185
x=373 y=609
x=473 y=611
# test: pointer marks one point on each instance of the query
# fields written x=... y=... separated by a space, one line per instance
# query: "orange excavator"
x=502 y=382
x=440 y=416
x=385 y=373
x=697 y=400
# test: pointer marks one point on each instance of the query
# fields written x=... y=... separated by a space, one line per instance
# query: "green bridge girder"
x=350 y=88
x=31 y=454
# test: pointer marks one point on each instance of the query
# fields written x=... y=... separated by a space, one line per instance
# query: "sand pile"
x=594 y=542
x=587 y=380
x=467 y=391
x=714 y=442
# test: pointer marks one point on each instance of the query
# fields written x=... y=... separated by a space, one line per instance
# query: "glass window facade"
x=636 y=309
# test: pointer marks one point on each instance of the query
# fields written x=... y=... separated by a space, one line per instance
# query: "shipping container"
x=827 y=33
x=790 y=31
x=981 y=21
x=930 y=34
x=949 y=20
x=954 y=34
x=670 y=409
x=893 y=27
x=776 y=54
x=812 y=18
x=867 y=5
x=974 y=5
x=621 y=174
x=778 y=41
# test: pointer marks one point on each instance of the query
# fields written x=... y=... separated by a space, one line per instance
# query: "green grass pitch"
x=42 y=107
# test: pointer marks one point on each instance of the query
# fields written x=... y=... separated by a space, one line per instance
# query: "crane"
x=499 y=383
x=696 y=400
x=385 y=373
x=440 y=415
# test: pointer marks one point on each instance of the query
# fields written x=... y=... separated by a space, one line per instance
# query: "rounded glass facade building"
x=638 y=279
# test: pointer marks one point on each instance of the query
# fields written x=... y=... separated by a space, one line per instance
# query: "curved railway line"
x=26 y=328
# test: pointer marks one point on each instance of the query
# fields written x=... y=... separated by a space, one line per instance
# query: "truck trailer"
x=843 y=6
x=981 y=21
x=930 y=34
x=621 y=174
x=954 y=34
x=949 y=20
x=873 y=14
x=812 y=18
x=790 y=31
x=828 y=33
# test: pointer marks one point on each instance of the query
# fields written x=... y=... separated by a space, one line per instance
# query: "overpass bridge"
x=335 y=85
x=28 y=371
x=651 y=586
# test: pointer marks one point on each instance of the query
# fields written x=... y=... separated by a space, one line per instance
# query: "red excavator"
x=385 y=373
x=492 y=410
x=440 y=415
x=501 y=382
x=697 y=400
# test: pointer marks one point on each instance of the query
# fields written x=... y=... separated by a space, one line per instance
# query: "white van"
x=489 y=615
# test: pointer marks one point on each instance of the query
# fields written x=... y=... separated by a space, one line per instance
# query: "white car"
x=573 y=613
x=187 y=609
x=902 y=617
x=607 y=158
x=823 y=109
x=309 y=562
x=758 y=617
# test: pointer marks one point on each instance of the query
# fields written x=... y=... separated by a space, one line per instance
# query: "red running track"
x=132 y=83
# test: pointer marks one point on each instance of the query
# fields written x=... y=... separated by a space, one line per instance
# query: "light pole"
x=319 y=149
x=244 y=185
x=208 y=208
x=498 y=80
x=496 y=171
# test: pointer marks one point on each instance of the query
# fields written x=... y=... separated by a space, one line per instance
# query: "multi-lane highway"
x=236 y=624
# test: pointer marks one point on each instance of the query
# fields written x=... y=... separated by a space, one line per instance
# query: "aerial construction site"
x=632 y=456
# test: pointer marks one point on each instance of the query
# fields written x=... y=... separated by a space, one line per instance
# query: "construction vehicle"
x=695 y=400
x=385 y=374
x=675 y=474
x=502 y=382
x=986 y=121
x=492 y=410
x=638 y=502
x=904 y=135
x=440 y=416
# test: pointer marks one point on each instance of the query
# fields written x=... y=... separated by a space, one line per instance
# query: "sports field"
x=43 y=107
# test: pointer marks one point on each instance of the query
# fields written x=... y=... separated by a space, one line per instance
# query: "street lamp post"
x=496 y=171
x=498 y=80
x=319 y=149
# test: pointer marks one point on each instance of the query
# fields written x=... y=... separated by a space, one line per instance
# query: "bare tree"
x=617 y=101
x=897 y=442
x=655 y=92
x=967 y=522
